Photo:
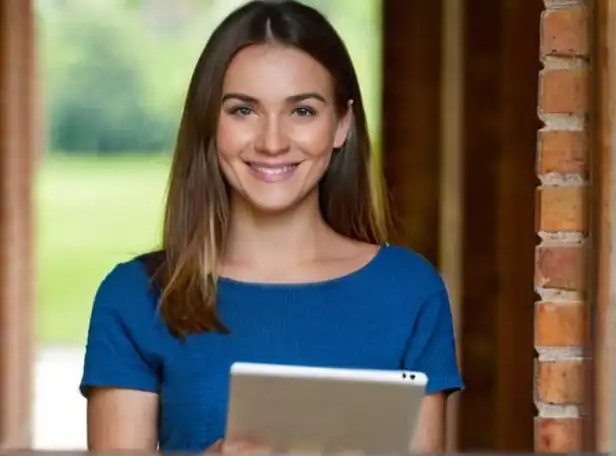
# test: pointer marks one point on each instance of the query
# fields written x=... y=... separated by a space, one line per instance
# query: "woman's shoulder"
x=128 y=285
x=406 y=268
x=134 y=271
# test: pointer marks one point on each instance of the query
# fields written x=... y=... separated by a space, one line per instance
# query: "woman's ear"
x=344 y=126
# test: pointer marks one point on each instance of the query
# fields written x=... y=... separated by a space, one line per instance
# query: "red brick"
x=565 y=32
x=558 y=435
x=561 y=209
x=560 y=382
x=562 y=152
x=563 y=91
x=559 y=325
x=562 y=267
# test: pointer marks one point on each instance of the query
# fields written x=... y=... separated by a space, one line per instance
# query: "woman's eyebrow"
x=291 y=99
x=239 y=96
x=306 y=96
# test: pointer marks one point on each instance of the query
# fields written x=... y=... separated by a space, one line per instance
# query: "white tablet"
x=313 y=409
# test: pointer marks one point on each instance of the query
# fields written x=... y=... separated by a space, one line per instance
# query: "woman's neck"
x=256 y=238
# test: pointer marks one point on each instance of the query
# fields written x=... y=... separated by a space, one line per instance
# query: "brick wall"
x=562 y=226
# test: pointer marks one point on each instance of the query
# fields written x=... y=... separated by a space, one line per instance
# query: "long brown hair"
x=197 y=209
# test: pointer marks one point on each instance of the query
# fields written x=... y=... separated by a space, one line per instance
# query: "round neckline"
x=364 y=268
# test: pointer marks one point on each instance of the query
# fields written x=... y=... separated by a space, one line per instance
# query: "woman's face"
x=278 y=126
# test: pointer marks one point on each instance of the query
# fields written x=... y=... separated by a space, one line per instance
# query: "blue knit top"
x=391 y=314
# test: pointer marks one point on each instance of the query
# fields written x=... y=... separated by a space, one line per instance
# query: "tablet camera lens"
x=412 y=377
x=404 y=375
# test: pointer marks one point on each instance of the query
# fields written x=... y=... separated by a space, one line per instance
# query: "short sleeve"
x=432 y=347
x=113 y=355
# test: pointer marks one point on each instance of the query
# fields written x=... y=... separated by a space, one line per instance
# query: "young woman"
x=273 y=249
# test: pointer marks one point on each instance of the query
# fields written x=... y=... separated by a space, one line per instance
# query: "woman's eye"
x=304 y=112
x=242 y=111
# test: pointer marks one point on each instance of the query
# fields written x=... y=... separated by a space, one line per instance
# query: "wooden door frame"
x=19 y=143
x=451 y=179
x=601 y=428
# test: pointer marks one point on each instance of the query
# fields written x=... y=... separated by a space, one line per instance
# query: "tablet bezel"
x=330 y=373
x=368 y=433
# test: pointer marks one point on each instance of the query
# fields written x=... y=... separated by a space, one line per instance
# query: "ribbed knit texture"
x=393 y=313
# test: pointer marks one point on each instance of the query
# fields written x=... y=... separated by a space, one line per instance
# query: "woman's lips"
x=272 y=172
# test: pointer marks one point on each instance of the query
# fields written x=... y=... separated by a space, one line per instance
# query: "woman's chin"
x=271 y=206
x=271 y=203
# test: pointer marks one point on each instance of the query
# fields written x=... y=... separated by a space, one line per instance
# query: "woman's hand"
x=237 y=447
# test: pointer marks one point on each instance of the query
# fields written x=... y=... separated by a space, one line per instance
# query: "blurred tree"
x=96 y=98
x=100 y=106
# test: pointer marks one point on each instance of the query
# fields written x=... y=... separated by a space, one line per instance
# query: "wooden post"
x=452 y=185
x=411 y=120
x=603 y=230
x=18 y=145
x=499 y=142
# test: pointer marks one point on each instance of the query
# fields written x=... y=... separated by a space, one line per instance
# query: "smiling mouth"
x=272 y=173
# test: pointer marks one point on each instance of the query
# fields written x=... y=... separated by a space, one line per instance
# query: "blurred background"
x=114 y=75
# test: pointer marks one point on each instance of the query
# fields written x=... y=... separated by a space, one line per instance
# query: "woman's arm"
x=122 y=419
x=429 y=434
x=432 y=351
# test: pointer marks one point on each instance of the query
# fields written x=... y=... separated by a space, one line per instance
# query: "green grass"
x=91 y=214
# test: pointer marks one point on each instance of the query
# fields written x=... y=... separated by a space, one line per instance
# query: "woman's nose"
x=272 y=139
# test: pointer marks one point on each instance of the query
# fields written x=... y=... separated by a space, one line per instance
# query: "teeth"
x=274 y=171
